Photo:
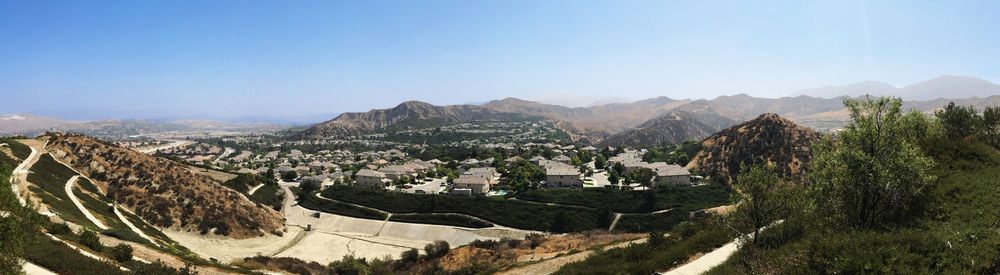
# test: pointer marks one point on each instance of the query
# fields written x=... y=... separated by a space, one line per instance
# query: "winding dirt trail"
x=255 y=189
x=72 y=197
x=132 y=226
x=20 y=173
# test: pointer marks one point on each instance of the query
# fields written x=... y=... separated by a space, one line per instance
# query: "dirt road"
x=21 y=171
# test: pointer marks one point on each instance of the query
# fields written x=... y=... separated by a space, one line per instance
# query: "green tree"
x=683 y=159
x=122 y=253
x=437 y=249
x=873 y=172
x=613 y=177
x=600 y=161
x=289 y=175
x=89 y=239
x=990 y=126
x=409 y=256
x=958 y=121
x=309 y=185
x=619 y=168
x=760 y=203
x=640 y=176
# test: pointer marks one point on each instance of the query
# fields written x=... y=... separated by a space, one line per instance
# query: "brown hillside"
x=162 y=192
x=410 y=112
x=778 y=141
x=669 y=129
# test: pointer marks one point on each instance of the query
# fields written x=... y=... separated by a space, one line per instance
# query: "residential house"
x=670 y=173
x=370 y=178
x=478 y=184
x=395 y=172
x=562 y=158
x=562 y=176
x=536 y=159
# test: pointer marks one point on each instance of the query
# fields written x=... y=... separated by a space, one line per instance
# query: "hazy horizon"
x=227 y=60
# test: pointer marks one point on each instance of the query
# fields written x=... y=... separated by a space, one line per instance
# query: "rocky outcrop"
x=161 y=192
x=770 y=138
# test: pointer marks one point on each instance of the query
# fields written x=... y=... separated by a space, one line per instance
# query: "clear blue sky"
x=286 y=58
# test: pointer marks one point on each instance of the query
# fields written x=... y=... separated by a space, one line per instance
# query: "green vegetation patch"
x=442 y=219
x=512 y=213
x=100 y=209
x=20 y=150
x=62 y=259
x=310 y=201
x=270 y=195
x=149 y=230
x=651 y=222
x=86 y=184
x=685 y=198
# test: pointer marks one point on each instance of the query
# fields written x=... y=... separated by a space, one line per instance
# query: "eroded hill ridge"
x=162 y=192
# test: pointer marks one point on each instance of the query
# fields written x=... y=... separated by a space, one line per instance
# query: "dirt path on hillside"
x=250 y=193
x=132 y=226
x=718 y=256
x=72 y=197
x=21 y=171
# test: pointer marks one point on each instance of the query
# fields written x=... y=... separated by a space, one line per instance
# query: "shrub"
x=90 y=239
x=437 y=249
x=58 y=229
x=121 y=253
x=409 y=256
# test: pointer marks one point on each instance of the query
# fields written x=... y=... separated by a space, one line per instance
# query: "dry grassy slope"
x=595 y=121
x=509 y=252
x=778 y=141
x=161 y=192
x=348 y=124
x=669 y=129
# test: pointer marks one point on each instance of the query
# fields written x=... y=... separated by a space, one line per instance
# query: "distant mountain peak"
x=945 y=86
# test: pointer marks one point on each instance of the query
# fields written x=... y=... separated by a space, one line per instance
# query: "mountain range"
x=947 y=86
x=659 y=120
x=32 y=125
